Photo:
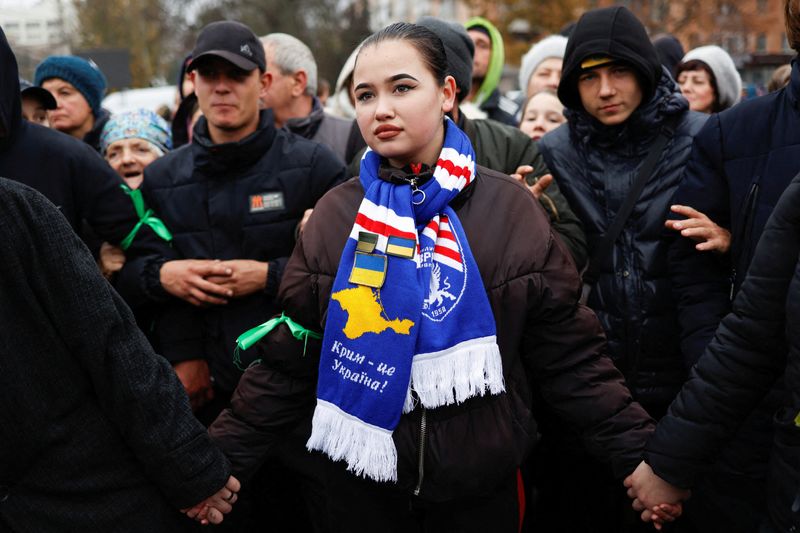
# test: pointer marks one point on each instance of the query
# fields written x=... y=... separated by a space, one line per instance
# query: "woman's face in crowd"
x=399 y=103
x=546 y=76
x=696 y=87
x=72 y=114
x=129 y=157
x=543 y=113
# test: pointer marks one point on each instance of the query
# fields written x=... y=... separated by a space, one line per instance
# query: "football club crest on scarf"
x=409 y=321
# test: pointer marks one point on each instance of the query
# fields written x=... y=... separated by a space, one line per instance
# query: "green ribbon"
x=797 y=420
x=145 y=217
x=252 y=336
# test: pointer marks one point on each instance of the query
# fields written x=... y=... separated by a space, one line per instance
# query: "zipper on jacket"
x=423 y=429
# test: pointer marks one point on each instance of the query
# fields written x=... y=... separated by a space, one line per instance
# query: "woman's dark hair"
x=426 y=42
x=695 y=65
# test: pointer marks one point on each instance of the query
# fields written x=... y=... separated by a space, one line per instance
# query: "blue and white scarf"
x=429 y=329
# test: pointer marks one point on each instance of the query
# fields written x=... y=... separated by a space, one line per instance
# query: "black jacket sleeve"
x=742 y=362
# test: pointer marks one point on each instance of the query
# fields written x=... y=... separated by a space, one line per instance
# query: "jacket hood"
x=612 y=32
x=640 y=127
x=339 y=103
x=10 y=103
x=729 y=82
x=496 y=60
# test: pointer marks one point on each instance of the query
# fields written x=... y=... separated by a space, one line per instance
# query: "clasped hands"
x=213 y=509
x=204 y=282
x=656 y=500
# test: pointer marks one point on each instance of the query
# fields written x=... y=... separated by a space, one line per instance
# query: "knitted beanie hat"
x=82 y=74
x=138 y=124
x=459 y=49
x=552 y=46
x=729 y=82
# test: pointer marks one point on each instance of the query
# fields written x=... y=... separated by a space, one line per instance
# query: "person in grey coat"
x=96 y=433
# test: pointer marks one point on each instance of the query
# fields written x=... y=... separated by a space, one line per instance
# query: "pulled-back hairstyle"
x=791 y=13
x=426 y=42
x=697 y=65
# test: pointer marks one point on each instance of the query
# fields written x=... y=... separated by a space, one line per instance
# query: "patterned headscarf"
x=139 y=124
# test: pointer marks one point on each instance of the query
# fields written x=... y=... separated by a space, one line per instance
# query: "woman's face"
x=129 y=157
x=72 y=114
x=399 y=104
x=696 y=87
x=543 y=113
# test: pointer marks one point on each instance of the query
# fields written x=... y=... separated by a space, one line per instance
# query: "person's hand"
x=111 y=259
x=213 y=509
x=246 y=277
x=664 y=513
x=306 y=216
x=700 y=228
x=538 y=188
x=649 y=491
x=186 y=279
x=196 y=379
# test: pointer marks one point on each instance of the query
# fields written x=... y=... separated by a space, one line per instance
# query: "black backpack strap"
x=602 y=253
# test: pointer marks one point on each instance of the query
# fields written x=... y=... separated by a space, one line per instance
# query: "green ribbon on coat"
x=146 y=216
x=252 y=336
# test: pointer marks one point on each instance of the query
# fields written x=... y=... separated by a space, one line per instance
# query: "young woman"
x=543 y=112
x=437 y=315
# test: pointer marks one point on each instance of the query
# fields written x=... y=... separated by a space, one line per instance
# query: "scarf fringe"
x=368 y=450
x=465 y=370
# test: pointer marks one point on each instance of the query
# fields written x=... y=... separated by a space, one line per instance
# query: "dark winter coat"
x=239 y=200
x=498 y=107
x=96 y=433
x=341 y=135
x=546 y=340
x=67 y=171
x=754 y=345
x=595 y=166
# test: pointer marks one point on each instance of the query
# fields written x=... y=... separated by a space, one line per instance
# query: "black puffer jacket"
x=546 y=340
x=238 y=200
x=595 y=166
x=753 y=346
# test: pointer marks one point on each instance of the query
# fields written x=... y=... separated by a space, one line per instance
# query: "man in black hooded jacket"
x=617 y=99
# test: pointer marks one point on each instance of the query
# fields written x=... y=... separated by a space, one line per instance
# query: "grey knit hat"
x=729 y=82
x=458 y=47
x=552 y=46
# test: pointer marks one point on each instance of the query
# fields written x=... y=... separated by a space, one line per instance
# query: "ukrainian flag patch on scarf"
x=408 y=320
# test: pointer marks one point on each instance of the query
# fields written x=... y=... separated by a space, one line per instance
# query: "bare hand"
x=186 y=279
x=649 y=491
x=212 y=509
x=700 y=228
x=246 y=277
x=304 y=221
x=196 y=379
x=538 y=188
x=111 y=259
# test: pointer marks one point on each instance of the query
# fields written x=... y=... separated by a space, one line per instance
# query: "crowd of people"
x=416 y=305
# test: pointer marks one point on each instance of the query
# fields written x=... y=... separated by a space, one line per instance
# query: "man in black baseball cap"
x=232 y=41
x=35 y=102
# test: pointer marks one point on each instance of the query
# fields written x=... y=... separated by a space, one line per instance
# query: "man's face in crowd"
x=72 y=112
x=227 y=95
x=483 y=52
x=610 y=93
x=33 y=110
x=283 y=87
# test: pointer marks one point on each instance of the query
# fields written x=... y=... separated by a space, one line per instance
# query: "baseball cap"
x=44 y=96
x=232 y=41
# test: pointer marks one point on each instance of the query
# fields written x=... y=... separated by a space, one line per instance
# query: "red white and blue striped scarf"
x=427 y=334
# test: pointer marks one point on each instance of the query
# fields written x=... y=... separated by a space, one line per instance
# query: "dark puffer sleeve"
x=742 y=362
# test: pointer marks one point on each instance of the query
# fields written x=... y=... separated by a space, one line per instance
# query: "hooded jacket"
x=239 y=200
x=67 y=171
x=595 y=165
x=488 y=99
x=546 y=339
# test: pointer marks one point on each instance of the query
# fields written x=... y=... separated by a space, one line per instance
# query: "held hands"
x=700 y=228
x=213 y=509
x=657 y=500
x=196 y=379
x=245 y=276
x=538 y=188
x=186 y=279
x=111 y=259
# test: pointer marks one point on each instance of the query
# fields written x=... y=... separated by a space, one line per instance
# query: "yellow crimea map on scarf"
x=365 y=314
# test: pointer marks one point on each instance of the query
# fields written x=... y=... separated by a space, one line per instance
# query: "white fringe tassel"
x=462 y=371
x=368 y=450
